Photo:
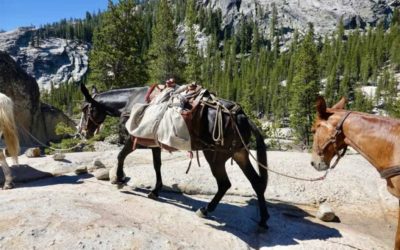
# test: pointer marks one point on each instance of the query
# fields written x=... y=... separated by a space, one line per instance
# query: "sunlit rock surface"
x=53 y=61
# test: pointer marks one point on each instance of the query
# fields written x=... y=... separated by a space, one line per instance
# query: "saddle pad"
x=160 y=122
x=173 y=130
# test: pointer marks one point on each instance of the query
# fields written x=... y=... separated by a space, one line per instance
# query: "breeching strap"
x=390 y=172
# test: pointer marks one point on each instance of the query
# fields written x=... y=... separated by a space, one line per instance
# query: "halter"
x=90 y=118
x=333 y=140
x=385 y=174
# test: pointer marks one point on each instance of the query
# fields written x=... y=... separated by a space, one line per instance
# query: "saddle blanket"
x=161 y=121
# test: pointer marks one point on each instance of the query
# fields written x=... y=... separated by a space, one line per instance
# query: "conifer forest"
x=135 y=43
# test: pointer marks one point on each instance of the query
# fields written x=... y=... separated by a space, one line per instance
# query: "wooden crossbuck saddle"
x=171 y=116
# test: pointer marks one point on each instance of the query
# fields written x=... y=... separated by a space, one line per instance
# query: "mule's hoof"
x=120 y=181
x=9 y=185
x=152 y=195
x=202 y=212
x=262 y=228
x=120 y=185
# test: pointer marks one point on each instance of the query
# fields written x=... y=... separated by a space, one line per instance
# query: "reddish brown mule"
x=376 y=138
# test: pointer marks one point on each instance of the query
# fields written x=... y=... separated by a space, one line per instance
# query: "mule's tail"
x=8 y=127
x=261 y=151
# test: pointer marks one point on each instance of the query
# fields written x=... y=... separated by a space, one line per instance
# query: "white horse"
x=8 y=132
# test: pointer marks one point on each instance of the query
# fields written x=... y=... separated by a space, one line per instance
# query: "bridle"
x=333 y=140
x=87 y=112
x=385 y=174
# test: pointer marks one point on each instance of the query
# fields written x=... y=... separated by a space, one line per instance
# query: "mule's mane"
x=7 y=126
x=378 y=117
x=118 y=97
x=116 y=91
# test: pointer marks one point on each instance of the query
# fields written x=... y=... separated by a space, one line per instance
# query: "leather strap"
x=390 y=172
x=340 y=124
x=333 y=139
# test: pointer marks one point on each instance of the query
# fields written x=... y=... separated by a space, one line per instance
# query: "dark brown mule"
x=215 y=154
x=374 y=137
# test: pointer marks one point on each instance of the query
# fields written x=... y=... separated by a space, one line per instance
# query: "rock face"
x=54 y=61
x=295 y=14
x=31 y=115
x=201 y=38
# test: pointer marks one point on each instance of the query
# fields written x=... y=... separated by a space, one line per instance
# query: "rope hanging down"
x=80 y=144
x=43 y=144
x=266 y=167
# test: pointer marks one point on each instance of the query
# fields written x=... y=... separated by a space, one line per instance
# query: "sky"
x=17 y=13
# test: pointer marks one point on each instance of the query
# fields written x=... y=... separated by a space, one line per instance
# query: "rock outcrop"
x=39 y=119
x=54 y=61
x=295 y=14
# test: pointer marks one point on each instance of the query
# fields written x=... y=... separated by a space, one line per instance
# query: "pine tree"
x=395 y=48
x=345 y=84
x=193 y=66
x=116 y=58
x=361 y=103
x=396 y=17
x=276 y=47
x=274 y=22
x=304 y=88
x=255 y=43
x=164 y=54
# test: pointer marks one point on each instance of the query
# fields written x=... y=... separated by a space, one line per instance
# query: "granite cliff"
x=52 y=61
x=33 y=116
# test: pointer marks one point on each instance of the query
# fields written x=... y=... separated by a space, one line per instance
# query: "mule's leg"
x=126 y=150
x=8 y=180
x=259 y=185
x=397 y=242
x=157 y=167
x=219 y=172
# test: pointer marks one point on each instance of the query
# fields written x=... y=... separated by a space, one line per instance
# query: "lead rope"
x=276 y=172
x=266 y=167
x=80 y=144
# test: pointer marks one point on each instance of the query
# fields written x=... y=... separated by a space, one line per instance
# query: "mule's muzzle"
x=319 y=166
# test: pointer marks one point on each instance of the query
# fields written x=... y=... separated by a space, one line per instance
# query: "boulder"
x=97 y=164
x=58 y=156
x=32 y=152
x=325 y=213
x=81 y=170
x=102 y=174
x=36 y=121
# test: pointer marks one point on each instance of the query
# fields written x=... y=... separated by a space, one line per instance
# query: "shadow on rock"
x=25 y=173
x=57 y=180
x=288 y=224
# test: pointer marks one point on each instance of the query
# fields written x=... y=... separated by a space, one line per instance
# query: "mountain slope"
x=51 y=61
x=295 y=14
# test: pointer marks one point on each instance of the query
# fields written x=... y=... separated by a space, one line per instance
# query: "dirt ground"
x=71 y=211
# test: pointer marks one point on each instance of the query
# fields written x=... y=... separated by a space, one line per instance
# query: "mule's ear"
x=321 y=107
x=341 y=104
x=85 y=92
x=94 y=90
